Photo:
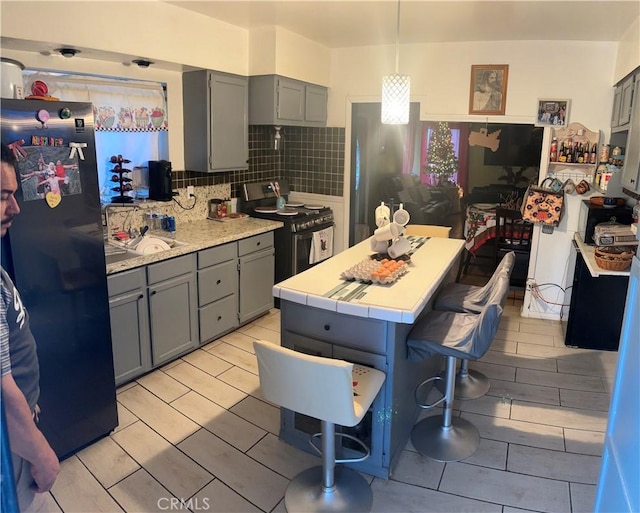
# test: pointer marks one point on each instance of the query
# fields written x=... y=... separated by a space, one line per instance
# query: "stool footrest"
x=366 y=450
x=425 y=406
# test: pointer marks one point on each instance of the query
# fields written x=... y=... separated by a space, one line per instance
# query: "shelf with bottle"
x=575 y=147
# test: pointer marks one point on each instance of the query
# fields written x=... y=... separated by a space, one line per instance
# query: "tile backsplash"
x=312 y=159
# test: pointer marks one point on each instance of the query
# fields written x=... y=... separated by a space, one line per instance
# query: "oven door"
x=301 y=248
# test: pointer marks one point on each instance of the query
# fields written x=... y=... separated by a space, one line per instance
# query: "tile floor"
x=199 y=430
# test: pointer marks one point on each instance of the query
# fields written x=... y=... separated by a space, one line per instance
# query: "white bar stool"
x=335 y=392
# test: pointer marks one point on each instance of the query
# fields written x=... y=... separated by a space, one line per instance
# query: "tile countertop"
x=588 y=252
x=199 y=235
x=401 y=301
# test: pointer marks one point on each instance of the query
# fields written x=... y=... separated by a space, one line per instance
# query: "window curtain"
x=118 y=105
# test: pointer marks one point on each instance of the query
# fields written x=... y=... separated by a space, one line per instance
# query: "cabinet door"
x=625 y=102
x=615 y=113
x=290 y=100
x=315 y=104
x=631 y=169
x=173 y=318
x=130 y=335
x=228 y=122
x=256 y=283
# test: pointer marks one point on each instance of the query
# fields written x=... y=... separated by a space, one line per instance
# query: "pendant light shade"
x=396 y=90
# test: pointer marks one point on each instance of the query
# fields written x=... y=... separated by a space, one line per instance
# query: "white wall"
x=628 y=57
x=440 y=79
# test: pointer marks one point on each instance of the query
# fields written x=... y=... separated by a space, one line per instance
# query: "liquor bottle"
x=553 y=157
x=593 y=157
x=562 y=155
x=569 y=152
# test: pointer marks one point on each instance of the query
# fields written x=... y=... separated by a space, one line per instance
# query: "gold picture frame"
x=488 y=90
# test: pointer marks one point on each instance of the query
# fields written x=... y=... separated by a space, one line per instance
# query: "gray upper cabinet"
x=631 y=169
x=275 y=100
x=216 y=131
x=622 y=104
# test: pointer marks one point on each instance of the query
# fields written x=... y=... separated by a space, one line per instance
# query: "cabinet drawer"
x=218 y=318
x=346 y=330
x=216 y=282
x=255 y=243
x=171 y=268
x=125 y=282
x=217 y=255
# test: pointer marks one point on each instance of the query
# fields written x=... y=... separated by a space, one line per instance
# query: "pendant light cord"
x=398 y=39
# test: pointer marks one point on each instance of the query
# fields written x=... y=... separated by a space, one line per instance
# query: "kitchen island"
x=324 y=315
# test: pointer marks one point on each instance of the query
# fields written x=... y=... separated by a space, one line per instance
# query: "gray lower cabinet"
x=256 y=264
x=216 y=131
x=172 y=307
x=169 y=308
x=128 y=309
x=217 y=291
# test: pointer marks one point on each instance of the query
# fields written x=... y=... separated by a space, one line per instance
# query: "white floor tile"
x=520 y=491
x=217 y=497
x=583 y=497
x=206 y=361
x=175 y=471
x=76 y=490
x=157 y=414
x=234 y=356
x=207 y=385
x=260 y=333
x=221 y=422
x=108 y=462
x=590 y=420
x=486 y=405
x=235 y=338
x=260 y=413
x=162 y=385
x=527 y=338
x=243 y=380
x=141 y=493
x=490 y=453
x=415 y=469
x=584 y=442
x=282 y=457
x=255 y=482
x=392 y=496
x=556 y=379
x=125 y=417
x=585 y=400
x=517 y=360
x=524 y=392
x=564 y=466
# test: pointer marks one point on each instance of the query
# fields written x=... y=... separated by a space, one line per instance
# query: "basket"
x=599 y=201
x=614 y=258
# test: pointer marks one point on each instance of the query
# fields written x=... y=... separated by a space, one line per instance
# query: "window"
x=130 y=120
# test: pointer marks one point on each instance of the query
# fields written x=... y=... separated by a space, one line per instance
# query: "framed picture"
x=488 y=91
x=553 y=112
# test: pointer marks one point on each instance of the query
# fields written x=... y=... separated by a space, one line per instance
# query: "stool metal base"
x=351 y=493
x=470 y=386
x=455 y=443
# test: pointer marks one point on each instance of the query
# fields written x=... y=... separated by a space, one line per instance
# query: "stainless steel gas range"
x=294 y=241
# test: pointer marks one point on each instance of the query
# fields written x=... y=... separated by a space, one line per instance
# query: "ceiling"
x=340 y=24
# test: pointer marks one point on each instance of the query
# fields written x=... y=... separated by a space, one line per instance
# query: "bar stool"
x=335 y=392
x=454 y=336
x=462 y=298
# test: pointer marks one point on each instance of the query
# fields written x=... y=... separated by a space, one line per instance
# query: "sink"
x=119 y=256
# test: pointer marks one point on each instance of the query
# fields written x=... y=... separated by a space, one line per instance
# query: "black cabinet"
x=596 y=310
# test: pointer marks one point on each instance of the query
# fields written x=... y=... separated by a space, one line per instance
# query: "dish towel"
x=321 y=245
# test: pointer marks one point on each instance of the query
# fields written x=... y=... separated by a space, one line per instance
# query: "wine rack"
x=121 y=177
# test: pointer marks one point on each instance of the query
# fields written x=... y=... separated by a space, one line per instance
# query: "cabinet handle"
x=141 y=296
x=153 y=293
x=258 y=243
x=219 y=317
x=327 y=327
x=218 y=282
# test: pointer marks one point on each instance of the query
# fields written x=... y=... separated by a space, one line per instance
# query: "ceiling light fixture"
x=142 y=63
x=67 y=52
x=396 y=90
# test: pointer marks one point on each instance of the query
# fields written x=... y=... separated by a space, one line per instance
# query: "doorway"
x=379 y=153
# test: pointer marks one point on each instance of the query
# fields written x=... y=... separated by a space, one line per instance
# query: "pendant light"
x=396 y=90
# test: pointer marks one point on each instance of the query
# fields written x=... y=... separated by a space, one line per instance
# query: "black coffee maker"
x=160 y=180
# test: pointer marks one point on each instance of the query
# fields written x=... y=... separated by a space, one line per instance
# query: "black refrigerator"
x=54 y=251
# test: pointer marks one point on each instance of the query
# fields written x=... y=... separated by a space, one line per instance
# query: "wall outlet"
x=190 y=193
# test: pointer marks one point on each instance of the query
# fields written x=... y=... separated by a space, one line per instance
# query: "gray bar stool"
x=454 y=336
x=462 y=298
x=335 y=392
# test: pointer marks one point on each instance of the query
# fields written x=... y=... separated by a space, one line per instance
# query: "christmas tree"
x=441 y=160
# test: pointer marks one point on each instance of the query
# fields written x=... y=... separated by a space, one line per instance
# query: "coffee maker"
x=160 y=180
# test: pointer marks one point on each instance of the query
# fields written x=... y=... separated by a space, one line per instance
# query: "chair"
x=428 y=230
x=462 y=298
x=335 y=392
x=453 y=335
x=513 y=234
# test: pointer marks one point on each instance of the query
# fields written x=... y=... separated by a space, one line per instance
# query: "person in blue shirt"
x=35 y=464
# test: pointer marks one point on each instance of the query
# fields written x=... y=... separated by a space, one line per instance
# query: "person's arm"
x=26 y=439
